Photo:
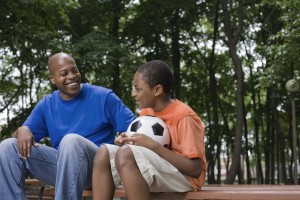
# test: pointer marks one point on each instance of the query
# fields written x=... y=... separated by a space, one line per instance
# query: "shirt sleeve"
x=191 y=137
x=36 y=121
x=119 y=115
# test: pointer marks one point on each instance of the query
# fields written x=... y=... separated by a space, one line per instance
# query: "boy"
x=141 y=164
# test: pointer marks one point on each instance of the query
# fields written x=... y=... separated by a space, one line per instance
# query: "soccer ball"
x=151 y=126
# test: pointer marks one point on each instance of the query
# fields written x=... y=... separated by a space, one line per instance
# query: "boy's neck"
x=163 y=103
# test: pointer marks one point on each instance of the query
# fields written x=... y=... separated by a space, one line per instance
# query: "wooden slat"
x=36 y=183
x=246 y=192
x=218 y=192
x=33 y=182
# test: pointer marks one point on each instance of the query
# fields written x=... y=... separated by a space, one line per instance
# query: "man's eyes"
x=65 y=73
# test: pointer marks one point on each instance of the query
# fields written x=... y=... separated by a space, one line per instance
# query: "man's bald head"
x=57 y=59
x=65 y=75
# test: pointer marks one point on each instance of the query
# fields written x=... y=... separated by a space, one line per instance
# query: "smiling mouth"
x=73 y=84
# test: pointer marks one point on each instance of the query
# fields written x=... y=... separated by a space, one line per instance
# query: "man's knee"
x=8 y=146
x=76 y=146
x=70 y=137
x=70 y=140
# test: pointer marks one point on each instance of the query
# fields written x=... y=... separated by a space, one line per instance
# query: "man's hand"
x=25 y=141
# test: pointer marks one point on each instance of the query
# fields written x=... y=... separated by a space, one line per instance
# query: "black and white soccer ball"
x=151 y=126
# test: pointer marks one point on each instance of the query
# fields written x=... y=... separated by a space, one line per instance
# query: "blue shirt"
x=96 y=113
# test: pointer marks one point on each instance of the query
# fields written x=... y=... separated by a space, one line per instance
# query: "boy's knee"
x=124 y=156
x=102 y=156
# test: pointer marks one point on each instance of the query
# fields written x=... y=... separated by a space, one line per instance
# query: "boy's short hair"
x=157 y=72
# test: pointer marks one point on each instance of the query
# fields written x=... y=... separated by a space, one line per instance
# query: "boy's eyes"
x=135 y=89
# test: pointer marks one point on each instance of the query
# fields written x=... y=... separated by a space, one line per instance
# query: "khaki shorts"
x=159 y=174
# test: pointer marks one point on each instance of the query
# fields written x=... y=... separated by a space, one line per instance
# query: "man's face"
x=142 y=94
x=65 y=75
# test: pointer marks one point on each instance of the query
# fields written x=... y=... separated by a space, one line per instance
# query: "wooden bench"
x=216 y=192
x=36 y=183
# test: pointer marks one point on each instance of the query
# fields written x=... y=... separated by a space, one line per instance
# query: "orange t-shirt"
x=187 y=134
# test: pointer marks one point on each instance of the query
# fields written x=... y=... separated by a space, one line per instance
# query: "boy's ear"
x=158 y=90
x=51 y=79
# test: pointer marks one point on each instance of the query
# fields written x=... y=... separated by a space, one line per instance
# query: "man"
x=77 y=118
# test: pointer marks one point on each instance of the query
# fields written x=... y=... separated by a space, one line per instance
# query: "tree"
x=232 y=40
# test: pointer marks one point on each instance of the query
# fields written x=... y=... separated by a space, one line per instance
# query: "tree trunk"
x=267 y=144
x=115 y=34
x=281 y=140
x=176 y=53
x=259 y=170
x=227 y=140
x=216 y=138
x=233 y=38
x=246 y=149
x=255 y=118
x=259 y=174
x=273 y=140
x=210 y=149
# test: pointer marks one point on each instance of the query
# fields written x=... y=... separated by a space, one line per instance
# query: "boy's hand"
x=120 y=139
x=143 y=140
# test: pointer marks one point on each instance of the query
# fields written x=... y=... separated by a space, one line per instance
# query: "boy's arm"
x=189 y=149
x=187 y=166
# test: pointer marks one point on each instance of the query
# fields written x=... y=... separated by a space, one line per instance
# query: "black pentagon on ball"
x=135 y=126
x=158 y=129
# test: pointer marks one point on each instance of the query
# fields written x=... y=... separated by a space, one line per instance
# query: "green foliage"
x=111 y=38
x=9 y=129
x=283 y=45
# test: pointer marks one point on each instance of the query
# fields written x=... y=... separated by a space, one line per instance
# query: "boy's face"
x=142 y=94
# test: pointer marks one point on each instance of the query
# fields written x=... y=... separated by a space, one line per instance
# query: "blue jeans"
x=69 y=168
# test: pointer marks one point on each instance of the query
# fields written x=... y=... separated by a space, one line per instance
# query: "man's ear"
x=158 y=90
x=51 y=79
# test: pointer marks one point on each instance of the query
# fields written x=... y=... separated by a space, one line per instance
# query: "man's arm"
x=25 y=141
x=14 y=135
